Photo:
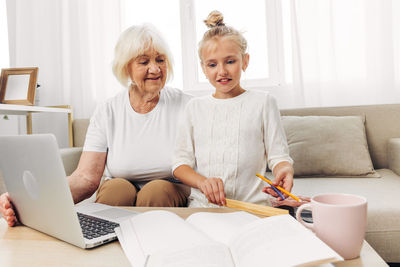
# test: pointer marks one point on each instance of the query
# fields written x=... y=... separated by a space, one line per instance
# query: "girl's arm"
x=212 y=188
x=184 y=161
x=277 y=148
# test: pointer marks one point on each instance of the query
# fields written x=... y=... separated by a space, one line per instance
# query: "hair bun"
x=214 y=19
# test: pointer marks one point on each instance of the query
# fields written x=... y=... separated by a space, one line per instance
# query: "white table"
x=22 y=246
x=9 y=109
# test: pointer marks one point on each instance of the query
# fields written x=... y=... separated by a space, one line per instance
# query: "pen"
x=278 y=187
x=272 y=186
x=277 y=191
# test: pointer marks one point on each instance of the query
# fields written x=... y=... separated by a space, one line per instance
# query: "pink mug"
x=339 y=220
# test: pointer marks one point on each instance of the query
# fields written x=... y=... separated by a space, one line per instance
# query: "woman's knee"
x=116 y=192
x=161 y=193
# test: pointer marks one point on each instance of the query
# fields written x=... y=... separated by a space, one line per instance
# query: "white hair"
x=133 y=42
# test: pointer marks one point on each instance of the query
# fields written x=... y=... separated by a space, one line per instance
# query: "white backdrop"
x=344 y=52
x=72 y=43
x=337 y=52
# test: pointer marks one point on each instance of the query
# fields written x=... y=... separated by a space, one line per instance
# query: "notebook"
x=35 y=178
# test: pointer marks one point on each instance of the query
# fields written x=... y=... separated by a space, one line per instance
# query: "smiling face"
x=148 y=71
x=222 y=63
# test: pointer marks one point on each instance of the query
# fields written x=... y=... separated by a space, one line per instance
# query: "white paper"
x=278 y=241
x=125 y=247
x=221 y=226
x=207 y=255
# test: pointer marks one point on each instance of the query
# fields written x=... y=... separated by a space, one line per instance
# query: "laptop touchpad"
x=113 y=214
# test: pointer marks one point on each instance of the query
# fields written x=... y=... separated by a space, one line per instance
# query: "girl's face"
x=149 y=71
x=223 y=64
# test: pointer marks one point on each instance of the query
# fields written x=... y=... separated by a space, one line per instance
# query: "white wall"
x=50 y=92
x=9 y=126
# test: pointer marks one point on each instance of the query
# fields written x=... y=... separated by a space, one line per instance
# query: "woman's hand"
x=7 y=210
x=283 y=173
x=213 y=189
x=290 y=201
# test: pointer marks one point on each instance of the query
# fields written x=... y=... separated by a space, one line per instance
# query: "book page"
x=207 y=255
x=279 y=241
x=221 y=226
x=123 y=244
x=154 y=232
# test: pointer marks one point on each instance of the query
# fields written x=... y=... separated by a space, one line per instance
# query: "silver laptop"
x=35 y=179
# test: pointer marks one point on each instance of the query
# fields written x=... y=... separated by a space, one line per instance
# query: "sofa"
x=378 y=129
x=382 y=132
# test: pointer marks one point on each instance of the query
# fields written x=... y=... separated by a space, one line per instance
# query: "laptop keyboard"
x=93 y=227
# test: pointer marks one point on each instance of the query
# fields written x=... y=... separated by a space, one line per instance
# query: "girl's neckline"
x=232 y=99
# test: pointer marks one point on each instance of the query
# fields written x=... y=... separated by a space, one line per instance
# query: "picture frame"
x=18 y=85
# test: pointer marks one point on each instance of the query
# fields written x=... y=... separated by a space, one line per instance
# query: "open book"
x=240 y=239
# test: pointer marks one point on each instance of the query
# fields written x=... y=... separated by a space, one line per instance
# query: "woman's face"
x=149 y=71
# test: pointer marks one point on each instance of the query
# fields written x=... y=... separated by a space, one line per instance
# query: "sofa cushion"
x=80 y=127
x=328 y=146
x=70 y=157
x=382 y=122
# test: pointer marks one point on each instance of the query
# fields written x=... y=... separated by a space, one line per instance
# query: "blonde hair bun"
x=214 y=19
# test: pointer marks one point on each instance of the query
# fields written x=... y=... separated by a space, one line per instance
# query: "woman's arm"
x=85 y=180
x=212 y=188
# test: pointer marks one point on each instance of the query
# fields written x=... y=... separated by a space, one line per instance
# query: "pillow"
x=328 y=146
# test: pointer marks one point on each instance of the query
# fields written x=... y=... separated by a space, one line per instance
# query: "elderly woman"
x=131 y=137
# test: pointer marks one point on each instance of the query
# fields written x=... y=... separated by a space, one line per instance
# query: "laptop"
x=35 y=178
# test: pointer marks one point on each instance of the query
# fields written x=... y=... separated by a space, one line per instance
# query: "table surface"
x=23 y=246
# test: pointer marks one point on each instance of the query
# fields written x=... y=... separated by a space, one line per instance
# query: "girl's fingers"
x=209 y=193
x=215 y=192
x=221 y=192
x=270 y=191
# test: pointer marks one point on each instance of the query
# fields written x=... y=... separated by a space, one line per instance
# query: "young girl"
x=230 y=136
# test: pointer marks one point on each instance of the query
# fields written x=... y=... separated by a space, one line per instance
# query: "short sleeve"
x=96 y=138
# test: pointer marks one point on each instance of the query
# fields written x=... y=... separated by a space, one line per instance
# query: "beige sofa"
x=382 y=129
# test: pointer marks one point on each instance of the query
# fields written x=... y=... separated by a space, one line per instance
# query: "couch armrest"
x=70 y=157
x=394 y=155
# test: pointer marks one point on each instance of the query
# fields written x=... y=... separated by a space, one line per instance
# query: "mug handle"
x=300 y=219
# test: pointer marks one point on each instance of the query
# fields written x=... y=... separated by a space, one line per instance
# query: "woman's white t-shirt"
x=139 y=146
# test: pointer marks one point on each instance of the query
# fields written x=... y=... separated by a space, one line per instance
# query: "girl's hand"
x=283 y=173
x=213 y=189
x=7 y=210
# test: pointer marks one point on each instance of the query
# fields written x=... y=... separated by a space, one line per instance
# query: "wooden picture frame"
x=18 y=86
